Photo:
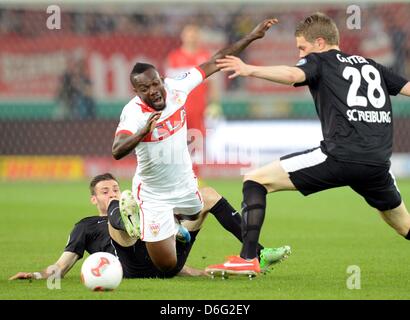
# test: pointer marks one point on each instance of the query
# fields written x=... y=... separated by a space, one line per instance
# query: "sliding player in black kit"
x=133 y=254
x=352 y=99
x=91 y=235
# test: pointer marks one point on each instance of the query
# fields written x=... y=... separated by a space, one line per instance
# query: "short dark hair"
x=101 y=177
x=140 y=67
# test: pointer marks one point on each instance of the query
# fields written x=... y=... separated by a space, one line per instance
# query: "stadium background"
x=105 y=40
x=46 y=148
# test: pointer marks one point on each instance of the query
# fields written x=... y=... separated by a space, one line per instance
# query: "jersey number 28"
x=373 y=79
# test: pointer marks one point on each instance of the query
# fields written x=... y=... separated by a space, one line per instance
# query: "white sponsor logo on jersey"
x=369 y=116
x=181 y=76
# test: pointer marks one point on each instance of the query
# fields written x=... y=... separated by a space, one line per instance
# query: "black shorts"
x=313 y=171
x=136 y=262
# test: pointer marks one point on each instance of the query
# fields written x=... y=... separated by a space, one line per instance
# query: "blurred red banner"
x=33 y=67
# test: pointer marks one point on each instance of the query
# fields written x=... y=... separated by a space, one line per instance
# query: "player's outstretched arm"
x=62 y=266
x=279 y=74
x=210 y=66
x=406 y=89
x=123 y=143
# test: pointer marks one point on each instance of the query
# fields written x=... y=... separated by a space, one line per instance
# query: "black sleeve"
x=311 y=67
x=394 y=82
x=76 y=240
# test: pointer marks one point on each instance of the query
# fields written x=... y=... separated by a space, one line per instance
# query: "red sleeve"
x=124 y=132
x=201 y=71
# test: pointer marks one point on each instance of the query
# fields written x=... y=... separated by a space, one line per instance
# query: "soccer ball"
x=101 y=271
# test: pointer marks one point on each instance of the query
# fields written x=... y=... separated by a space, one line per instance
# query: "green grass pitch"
x=328 y=233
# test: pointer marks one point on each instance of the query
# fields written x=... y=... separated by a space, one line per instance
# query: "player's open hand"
x=22 y=276
x=232 y=63
x=261 y=28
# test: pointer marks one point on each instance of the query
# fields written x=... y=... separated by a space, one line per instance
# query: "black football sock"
x=253 y=214
x=230 y=219
x=408 y=235
x=114 y=216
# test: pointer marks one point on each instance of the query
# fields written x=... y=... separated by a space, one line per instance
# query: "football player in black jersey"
x=89 y=234
x=352 y=99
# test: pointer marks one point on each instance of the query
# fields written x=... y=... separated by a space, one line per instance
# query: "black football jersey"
x=90 y=234
x=352 y=99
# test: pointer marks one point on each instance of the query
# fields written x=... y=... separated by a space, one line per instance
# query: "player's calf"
x=399 y=219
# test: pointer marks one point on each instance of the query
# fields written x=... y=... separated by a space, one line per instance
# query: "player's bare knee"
x=249 y=177
x=166 y=266
x=210 y=196
x=165 y=262
x=270 y=187
x=254 y=178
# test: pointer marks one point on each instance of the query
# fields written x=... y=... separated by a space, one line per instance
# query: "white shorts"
x=157 y=218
